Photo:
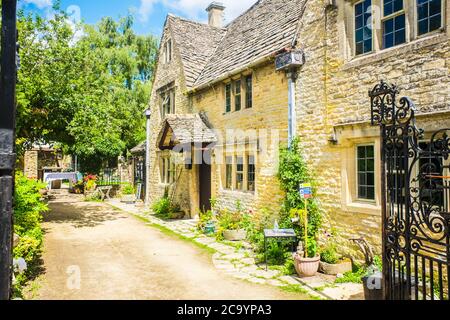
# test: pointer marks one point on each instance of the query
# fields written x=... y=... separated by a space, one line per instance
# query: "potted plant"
x=232 y=225
x=331 y=262
x=128 y=195
x=306 y=260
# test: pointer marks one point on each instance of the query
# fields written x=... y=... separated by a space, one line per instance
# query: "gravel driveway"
x=94 y=252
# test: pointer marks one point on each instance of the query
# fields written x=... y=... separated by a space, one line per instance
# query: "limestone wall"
x=268 y=118
x=332 y=93
x=165 y=75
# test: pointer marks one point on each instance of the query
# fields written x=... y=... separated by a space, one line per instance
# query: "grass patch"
x=296 y=288
x=173 y=234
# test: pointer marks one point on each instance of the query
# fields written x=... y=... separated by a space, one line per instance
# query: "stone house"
x=345 y=58
x=219 y=78
x=219 y=101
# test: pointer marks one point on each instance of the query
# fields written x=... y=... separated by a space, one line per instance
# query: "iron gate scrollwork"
x=416 y=200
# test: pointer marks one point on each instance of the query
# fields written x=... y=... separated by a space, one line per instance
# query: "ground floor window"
x=251 y=173
x=239 y=173
x=229 y=173
x=167 y=169
x=366 y=172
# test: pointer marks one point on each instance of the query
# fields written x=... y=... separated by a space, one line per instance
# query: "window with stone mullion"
x=394 y=23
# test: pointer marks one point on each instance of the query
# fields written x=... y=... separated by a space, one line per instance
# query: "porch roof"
x=185 y=129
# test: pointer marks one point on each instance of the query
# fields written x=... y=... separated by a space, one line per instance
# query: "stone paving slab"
x=238 y=260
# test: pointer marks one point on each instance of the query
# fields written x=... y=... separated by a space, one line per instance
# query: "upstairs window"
x=167 y=51
x=249 y=92
x=167 y=103
x=237 y=95
x=363 y=27
x=429 y=16
x=366 y=172
x=394 y=23
x=228 y=97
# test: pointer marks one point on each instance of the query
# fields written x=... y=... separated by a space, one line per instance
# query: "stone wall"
x=332 y=101
x=31 y=164
x=268 y=119
x=165 y=75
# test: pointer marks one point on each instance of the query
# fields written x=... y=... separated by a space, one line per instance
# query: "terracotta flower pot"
x=306 y=267
x=235 y=235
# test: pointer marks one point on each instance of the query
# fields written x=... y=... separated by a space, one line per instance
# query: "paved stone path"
x=239 y=261
x=94 y=251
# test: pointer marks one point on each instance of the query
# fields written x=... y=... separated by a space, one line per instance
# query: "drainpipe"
x=148 y=114
x=289 y=62
x=292 y=126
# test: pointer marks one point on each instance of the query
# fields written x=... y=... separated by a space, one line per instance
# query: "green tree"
x=86 y=92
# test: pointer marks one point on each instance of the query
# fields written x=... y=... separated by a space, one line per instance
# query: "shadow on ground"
x=81 y=215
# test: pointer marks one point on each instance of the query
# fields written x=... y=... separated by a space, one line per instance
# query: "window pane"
x=435 y=22
x=370 y=165
x=400 y=37
x=370 y=193
x=423 y=27
x=388 y=7
x=228 y=98
x=435 y=7
x=398 y=5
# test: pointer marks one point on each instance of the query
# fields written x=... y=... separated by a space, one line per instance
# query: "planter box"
x=235 y=235
x=335 y=269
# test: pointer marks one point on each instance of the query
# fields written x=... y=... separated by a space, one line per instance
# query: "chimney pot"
x=215 y=14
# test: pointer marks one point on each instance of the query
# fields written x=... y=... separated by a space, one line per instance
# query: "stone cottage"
x=229 y=83
x=219 y=108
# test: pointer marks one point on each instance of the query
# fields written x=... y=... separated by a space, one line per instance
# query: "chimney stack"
x=215 y=14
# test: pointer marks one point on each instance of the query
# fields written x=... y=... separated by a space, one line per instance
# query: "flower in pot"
x=307 y=261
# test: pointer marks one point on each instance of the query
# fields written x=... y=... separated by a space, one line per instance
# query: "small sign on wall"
x=305 y=191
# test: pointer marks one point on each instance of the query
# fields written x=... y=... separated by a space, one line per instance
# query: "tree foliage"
x=83 y=86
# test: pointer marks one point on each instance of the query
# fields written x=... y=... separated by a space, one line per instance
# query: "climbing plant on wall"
x=293 y=171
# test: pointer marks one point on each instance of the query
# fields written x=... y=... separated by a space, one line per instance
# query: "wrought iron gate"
x=415 y=181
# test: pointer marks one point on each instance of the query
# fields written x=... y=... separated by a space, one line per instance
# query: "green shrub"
x=28 y=209
x=128 y=189
x=162 y=207
x=329 y=253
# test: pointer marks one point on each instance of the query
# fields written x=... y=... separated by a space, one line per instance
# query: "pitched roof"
x=140 y=148
x=185 y=129
x=196 y=43
x=266 y=28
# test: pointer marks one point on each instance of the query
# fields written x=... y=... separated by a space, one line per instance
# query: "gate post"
x=7 y=145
